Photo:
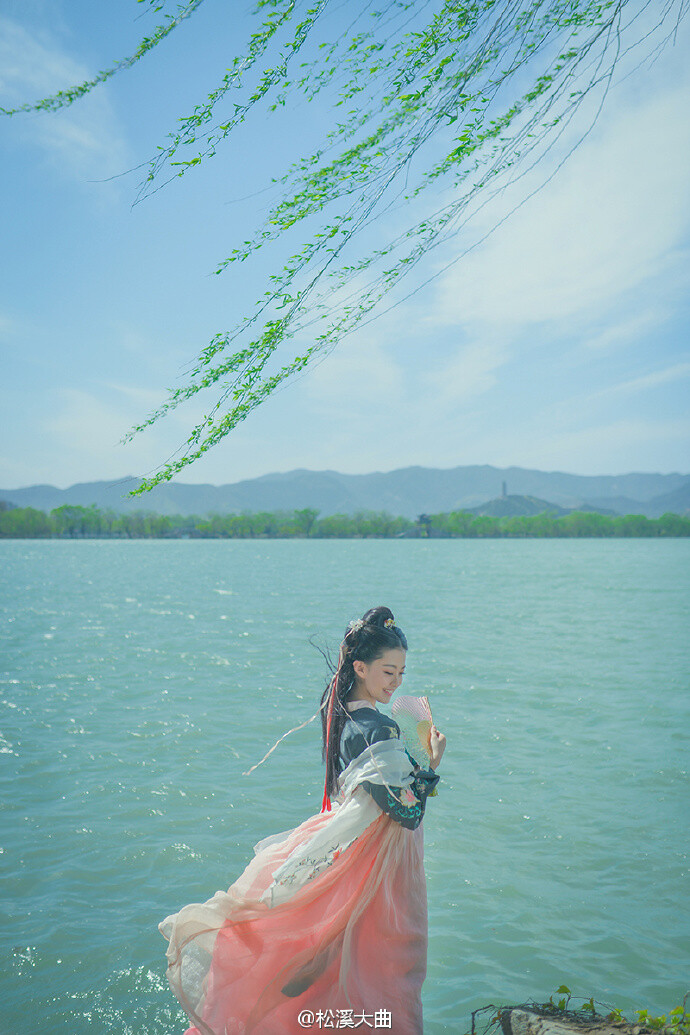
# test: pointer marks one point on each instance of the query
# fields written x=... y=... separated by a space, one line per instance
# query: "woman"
x=327 y=925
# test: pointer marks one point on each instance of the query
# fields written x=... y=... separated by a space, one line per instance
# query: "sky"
x=559 y=341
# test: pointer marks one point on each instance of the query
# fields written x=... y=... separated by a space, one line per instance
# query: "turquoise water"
x=139 y=679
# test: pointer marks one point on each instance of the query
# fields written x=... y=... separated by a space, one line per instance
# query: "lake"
x=141 y=678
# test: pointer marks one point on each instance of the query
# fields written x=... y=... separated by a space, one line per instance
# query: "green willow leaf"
x=459 y=96
x=65 y=97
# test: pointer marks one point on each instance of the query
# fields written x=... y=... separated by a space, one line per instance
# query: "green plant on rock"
x=676 y=1022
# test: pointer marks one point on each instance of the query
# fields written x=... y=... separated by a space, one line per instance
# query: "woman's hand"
x=437 y=745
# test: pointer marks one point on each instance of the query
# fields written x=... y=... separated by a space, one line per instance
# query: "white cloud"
x=471 y=372
x=85 y=139
x=605 y=447
x=607 y=225
x=17 y=471
x=622 y=438
x=595 y=256
x=362 y=372
x=595 y=259
x=87 y=425
x=658 y=377
x=137 y=398
x=84 y=421
x=628 y=328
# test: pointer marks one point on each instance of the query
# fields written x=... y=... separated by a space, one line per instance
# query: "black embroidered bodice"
x=366 y=726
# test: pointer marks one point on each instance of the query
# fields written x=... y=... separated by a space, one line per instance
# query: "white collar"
x=352 y=706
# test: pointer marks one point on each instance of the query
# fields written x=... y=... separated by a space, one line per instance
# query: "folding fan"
x=413 y=716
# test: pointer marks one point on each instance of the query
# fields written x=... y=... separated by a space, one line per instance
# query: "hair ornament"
x=356 y=624
x=389 y=623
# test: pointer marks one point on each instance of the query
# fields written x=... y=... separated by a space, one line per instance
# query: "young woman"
x=327 y=925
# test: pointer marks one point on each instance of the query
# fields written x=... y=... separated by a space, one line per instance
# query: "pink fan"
x=413 y=716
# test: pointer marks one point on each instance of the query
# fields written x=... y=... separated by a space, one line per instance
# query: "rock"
x=518 y=1021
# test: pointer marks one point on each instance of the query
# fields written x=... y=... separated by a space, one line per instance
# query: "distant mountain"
x=623 y=505
x=677 y=502
x=527 y=506
x=517 y=506
x=408 y=491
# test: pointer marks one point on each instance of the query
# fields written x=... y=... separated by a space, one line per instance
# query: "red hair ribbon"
x=326 y=803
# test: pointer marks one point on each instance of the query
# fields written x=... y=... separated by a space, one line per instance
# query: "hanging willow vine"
x=429 y=97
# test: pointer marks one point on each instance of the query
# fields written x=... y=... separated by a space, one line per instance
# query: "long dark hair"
x=365 y=640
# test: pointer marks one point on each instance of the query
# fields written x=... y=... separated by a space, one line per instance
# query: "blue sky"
x=560 y=342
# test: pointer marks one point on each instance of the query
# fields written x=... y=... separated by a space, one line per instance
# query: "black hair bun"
x=378 y=616
x=375 y=629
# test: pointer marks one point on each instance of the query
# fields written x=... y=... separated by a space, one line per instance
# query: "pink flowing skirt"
x=352 y=941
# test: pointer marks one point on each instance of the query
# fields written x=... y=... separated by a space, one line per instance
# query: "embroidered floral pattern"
x=312 y=867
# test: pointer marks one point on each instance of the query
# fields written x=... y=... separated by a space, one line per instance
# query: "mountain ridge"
x=406 y=491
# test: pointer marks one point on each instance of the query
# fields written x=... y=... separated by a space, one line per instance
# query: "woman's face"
x=378 y=680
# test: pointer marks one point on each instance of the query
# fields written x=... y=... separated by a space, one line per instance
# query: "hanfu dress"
x=329 y=918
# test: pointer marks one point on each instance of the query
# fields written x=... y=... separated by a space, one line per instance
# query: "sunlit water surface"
x=139 y=679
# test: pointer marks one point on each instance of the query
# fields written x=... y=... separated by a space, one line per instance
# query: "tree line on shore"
x=73 y=522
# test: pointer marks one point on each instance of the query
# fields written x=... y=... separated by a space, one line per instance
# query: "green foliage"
x=65 y=97
x=24 y=523
x=562 y=1004
x=460 y=94
x=676 y=1022
x=73 y=522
